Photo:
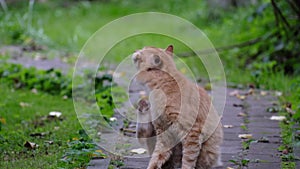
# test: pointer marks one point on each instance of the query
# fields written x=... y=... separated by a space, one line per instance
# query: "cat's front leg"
x=191 y=149
x=160 y=155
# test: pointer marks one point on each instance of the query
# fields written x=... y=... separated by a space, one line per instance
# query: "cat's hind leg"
x=191 y=148
x=209 y=156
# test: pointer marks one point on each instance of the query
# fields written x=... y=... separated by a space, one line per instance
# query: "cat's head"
x=151 y=58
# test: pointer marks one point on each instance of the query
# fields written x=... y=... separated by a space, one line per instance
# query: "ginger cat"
x=181 y=112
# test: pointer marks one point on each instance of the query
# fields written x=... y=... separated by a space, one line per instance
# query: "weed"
x=246 y=144
x=241 y=162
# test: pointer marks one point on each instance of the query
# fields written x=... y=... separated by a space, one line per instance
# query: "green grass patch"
x=25 y=119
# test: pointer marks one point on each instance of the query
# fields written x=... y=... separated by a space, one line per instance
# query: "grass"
x=81 y=20
x=21 y=122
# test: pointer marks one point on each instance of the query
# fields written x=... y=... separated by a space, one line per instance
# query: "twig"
x=276 y=16
x=286 y=23
x=294 y=7
x=220 y=49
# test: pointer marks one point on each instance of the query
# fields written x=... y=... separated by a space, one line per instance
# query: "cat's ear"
x=170 y=49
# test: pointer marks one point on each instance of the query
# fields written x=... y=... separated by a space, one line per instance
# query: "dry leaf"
x=241 y=114
x=228 y=126
x=112 y=119
x=277 y=93
x=3 y=120
x=245 y=136
x=229 y=168
x=207 y=86
x=263 y=93
x=55 y=114
x=99 y=133
x=289 y=110
x=241 y=97
x=34 y=90
x=30 y=145
x=250 y=92
x=139 y=151
x=49 y=142
x=278 y=118
x=23 y=104
x=234 y=93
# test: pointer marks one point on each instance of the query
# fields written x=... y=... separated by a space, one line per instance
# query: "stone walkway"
x=241 y=116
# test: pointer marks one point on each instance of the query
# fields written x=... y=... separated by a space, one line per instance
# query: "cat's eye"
x=156 y=60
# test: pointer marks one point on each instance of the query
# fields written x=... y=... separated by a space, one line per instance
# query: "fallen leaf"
x=138 y=151
x=241 y=97
x=30 y=145
x=23 y=104
x=55 y=114
x=245 y=136
x=207 y=86
x=229 y=168
x=234 y=93
x=250 y=92
x=34 y=90
x=241 y=114
x=289 y=110
x=263 y=93
x=112 y=119
x=49 y=142
x=75 y=138
x=228 y=126
x=277 y=93
x=3 y=120
x=278 y=118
